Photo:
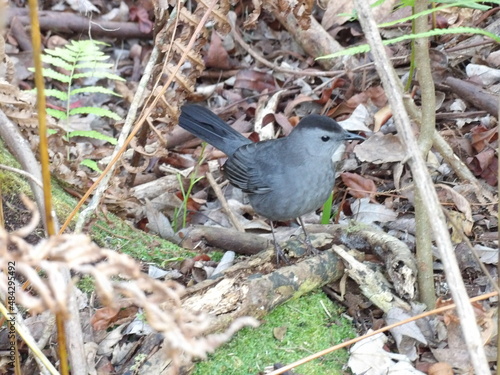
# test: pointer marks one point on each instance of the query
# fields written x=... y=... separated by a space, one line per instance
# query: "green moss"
x=9 y=181
x=118 y=235
x=86 y=284
x=216 y=256
x=15 y=184
x=308 y=330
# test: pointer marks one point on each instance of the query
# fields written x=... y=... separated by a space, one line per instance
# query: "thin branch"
x=426 y=189
x=223 y=202
x=22 y=173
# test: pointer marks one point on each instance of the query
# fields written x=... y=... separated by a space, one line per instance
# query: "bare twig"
x=22 y=173
x=73 y=23
x=23 y=154
x=427 y=128
x=223 y=202
x=263 y=61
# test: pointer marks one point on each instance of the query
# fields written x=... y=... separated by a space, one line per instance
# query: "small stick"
x=218 y=192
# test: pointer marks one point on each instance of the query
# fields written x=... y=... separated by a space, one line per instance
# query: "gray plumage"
x=285 y=177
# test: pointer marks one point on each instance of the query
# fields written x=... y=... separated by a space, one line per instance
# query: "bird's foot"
x=310 y=249
x=280 y=254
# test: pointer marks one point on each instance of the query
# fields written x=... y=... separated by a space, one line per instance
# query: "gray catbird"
x=285 y=177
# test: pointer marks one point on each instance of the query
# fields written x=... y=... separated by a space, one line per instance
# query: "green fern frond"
x=57 y=62
x=61 y=95
x=94 y=89
x=62 y=53
x=94 y=58
x=80 y=59
x=94 y=65
x=92 y=134
x=98 y=74
x=78 y=50
x=60 y=115
x=95 y=111
x=458 y=30
x=91 y=164
x=50 y=73
x=88 y=44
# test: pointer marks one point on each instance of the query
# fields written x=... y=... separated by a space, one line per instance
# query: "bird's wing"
x=244 y=170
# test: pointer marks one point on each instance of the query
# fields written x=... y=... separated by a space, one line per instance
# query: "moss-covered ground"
x=307 y=329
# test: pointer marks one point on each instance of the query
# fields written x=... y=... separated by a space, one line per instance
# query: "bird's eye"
x=325 y=138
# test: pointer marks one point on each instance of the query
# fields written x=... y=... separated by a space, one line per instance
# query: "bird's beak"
x=352 y=136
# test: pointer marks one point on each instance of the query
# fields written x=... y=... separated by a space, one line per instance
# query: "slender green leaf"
x=94 y=89
x=327 y=210
x=473 y=4
x=85 y=44
x=102 y=57
x=98 y=74
x=458 y=30
x=57 y=61
x=407 y=3
x=87 y=49
x=93 y=65
x=63 y=53
x=61 y=95
x=82 y=45
x=50 y=73
x=92 y=134
x=426 y=12
x=95 y=111
x=91 y=164
x=61 y=115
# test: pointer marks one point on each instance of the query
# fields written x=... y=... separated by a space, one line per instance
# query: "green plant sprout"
x=186 y=194
x=185 y=197
x=327 y=210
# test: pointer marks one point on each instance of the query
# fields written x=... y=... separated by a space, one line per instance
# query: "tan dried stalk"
x=117 y=276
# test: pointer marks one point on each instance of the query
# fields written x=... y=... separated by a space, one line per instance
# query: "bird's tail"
x=207 y=126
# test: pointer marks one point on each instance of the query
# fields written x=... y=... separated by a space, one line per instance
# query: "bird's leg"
x=280 y=255
x=311 y=250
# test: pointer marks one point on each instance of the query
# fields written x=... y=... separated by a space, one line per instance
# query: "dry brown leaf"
x=381 y=117
x=485 y=165
x=380 y=148
x=254 y=80
x=251 y=20
x=440 y=368
x=103 y=318
x=359 y=186
x=461 y=204
x=217 y=56
x=139 y=14
x=374 y=94
x=482 y=137
x=368 y=213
